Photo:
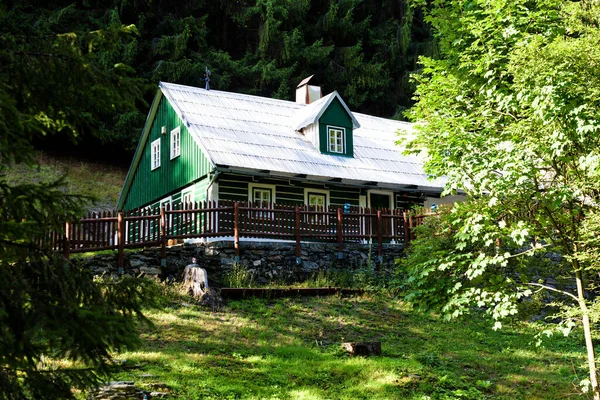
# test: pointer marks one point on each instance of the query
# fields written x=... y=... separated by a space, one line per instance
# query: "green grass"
x=102 y=182
x=290 y=349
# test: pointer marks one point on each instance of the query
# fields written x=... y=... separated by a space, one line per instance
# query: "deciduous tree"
x=510 y=114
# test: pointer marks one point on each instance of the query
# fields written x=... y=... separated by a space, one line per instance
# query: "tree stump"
x=363 y=348
x=195 y=280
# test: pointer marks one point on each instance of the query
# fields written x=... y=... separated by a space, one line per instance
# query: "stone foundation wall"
x=266 y=261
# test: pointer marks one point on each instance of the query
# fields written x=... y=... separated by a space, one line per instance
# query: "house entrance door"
x=382 y=201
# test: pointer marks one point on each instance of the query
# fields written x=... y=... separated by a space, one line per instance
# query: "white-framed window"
x=155 y=154
x=262 y=194
x=317 y=200
x=258 y=192
x=336 y=139
x=187 y=198
x=146 y=227
x=316 y=197
x=167 y=203
x=175 y=142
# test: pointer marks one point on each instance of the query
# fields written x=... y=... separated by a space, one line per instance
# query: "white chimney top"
x=306 y=94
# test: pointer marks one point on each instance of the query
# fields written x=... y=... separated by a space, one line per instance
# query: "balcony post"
x=236 y=231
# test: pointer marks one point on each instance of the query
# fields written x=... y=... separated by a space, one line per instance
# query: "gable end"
x=148 y=178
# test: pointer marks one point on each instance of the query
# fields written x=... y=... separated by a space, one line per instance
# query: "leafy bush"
x=448 y=272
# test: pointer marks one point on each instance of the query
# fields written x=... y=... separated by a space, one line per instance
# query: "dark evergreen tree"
x=363 y=49
x=57 y=325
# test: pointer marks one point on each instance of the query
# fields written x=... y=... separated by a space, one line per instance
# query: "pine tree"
x=56 y=82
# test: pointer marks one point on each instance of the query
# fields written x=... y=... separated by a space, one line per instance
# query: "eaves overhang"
x=329 y=180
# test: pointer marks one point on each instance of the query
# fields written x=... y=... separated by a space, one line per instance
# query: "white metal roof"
x=310 y=113
x=251 y=132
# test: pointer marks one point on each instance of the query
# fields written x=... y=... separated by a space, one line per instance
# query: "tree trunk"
x=587 y=333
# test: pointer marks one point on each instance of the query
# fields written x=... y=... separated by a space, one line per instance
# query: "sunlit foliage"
x=510 y=115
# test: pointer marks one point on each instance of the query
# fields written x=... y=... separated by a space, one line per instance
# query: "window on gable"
x=335 y=143
x=155 y=154
x=175 y=142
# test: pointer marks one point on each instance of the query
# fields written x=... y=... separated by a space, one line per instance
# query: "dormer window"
x=329 y=124
x=336 y=142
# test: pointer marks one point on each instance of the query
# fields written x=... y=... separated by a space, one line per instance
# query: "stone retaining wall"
x=266 y=261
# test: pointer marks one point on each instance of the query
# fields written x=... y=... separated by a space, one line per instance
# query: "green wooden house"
x=200 y=145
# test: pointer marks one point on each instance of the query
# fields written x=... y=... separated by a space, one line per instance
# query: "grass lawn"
x=100 y=181
x=290 y=349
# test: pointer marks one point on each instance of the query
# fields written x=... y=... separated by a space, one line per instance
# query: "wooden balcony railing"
x=236 y=220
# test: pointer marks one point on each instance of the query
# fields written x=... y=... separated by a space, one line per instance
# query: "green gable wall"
x=336 y=115
x=191 y=165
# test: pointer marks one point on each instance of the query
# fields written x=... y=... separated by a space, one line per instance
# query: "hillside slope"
x=290 y=349
x=101 y=182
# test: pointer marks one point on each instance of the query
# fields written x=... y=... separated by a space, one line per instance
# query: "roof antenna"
x=207 y=78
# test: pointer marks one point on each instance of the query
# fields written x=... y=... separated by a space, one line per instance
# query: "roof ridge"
x=223 y=93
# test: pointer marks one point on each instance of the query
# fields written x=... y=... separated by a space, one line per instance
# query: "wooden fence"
x=237 y=220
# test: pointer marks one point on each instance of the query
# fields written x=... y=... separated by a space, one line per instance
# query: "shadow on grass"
x=290 y=348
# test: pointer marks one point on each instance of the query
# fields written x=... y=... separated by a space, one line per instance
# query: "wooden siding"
x=336 y=115
x=191 y=165
x=235 y=187
x=198 y=191
x=408 y=200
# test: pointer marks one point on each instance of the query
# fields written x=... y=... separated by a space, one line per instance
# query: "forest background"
x=365 y=50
